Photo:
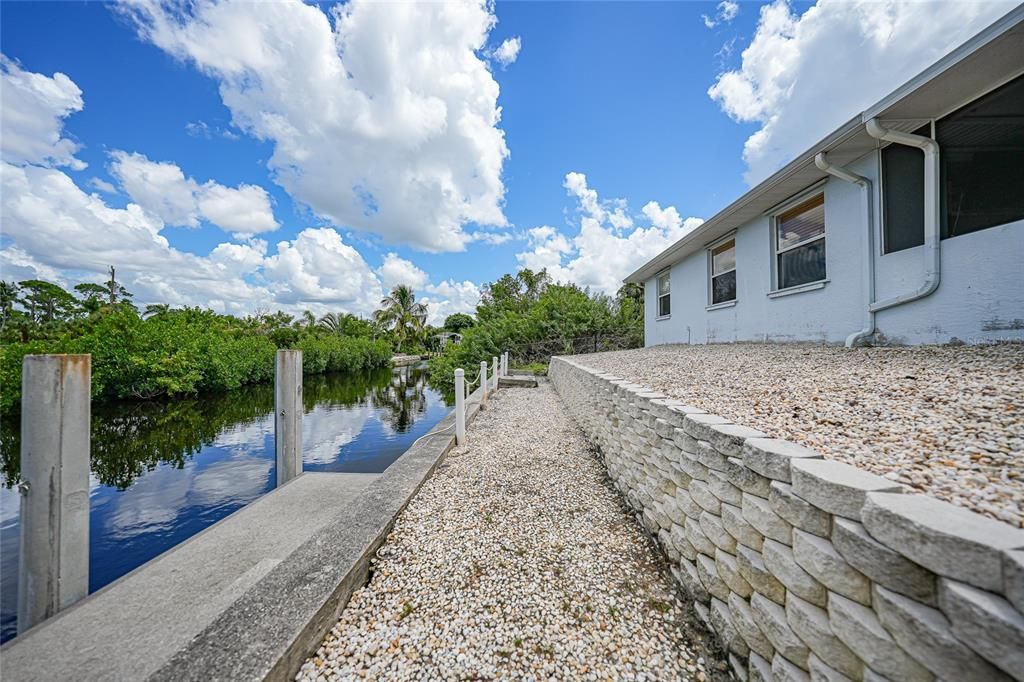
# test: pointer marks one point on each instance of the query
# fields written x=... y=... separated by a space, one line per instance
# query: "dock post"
x=460 y=407
x=53 y=569
x=483 y=383
x=494 y=371
x=288 y=414
x=504 y=364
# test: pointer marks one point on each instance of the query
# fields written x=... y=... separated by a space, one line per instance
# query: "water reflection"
x=162 y=472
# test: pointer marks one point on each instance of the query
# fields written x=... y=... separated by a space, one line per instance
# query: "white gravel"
x=516 y=560
x=945 y=420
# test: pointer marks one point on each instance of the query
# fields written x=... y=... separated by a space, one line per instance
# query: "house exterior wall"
x=980 y=297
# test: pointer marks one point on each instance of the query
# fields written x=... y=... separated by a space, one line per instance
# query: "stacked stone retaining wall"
x=807 y=568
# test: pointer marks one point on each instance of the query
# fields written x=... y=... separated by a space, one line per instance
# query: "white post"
x=460 y=407
x=483 y=383
x=288 y=414
x=504 y=364
x=53 y=569
x=494 y=367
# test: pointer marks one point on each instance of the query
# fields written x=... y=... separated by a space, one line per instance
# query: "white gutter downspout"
x=868 y=274
x=932 y=255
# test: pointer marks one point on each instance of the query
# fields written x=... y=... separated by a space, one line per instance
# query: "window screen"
x=903 y=195
x=982 y=152
x=723 y=272
x=664 y=294
x=800 y=244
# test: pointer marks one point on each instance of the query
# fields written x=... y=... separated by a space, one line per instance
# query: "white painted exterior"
x=980 y=297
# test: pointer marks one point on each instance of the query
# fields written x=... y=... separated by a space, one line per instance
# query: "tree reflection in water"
x=131 y=438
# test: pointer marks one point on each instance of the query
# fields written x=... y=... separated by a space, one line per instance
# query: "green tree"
x=46 y=302
x=115 y=291
x=8 y=297
x=156 y=309
x=456 y=322
x=92 y=296
x=401 y=316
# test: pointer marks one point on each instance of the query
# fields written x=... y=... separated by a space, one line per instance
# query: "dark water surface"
x=162 y=472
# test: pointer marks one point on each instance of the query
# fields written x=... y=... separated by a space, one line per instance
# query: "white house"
x=905 y=225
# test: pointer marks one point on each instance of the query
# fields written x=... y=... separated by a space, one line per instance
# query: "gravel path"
x=517 y=560
x=946 y=420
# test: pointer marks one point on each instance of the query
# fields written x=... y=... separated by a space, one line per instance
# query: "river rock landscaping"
x=518 y=560
x=947 y=421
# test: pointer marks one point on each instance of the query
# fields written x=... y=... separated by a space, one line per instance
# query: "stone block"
x=779 y=560
x=729 y=572
x=860 y=629
x=677 y=536
x=818 y=557
x=771 y=457
x=739 y=528
x=665 y=540
x=752 y=568
x=949 y=540
x=699 y=425
x=713 y=529
x=771 y=619
x=649 y=521
x=783 y=670
x=925 y=634
x=679 y=475
x=836 y=487
x=684 y=441
x=799 y=512
x=743 y=619
x=758 y=513
x=728 y=439
x=759 y=668
x=822 y=672
x=1013 y=578
x=739 y=668
x=711 y=458
x=697 y=537
x=701 y=494
x=694 y=469
x=721 y=488
x=721 y=619
x=746 y=479
x=663 y=428
x=709 y=577
x=685 y=503
x=810 y=623
x=687 y=576
x=881 y=564
x=704 y=614
x=985 y=622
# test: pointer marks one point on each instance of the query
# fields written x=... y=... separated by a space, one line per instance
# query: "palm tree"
x=154 y=309
x=401 y=315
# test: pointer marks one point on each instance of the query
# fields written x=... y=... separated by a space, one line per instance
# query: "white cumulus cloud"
x=162 y=189
x=32 y=117
x=725 y=12
x=508 y=51
x=804 y=74
x=396 y=270
x=383 y=116
x=609 y=245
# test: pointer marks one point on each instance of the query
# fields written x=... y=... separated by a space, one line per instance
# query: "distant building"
x=906 y=224
x=444 y=338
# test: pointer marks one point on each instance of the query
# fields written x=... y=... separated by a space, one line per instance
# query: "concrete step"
x=517 y=381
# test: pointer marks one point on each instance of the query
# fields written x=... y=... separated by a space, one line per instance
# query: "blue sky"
x=216 y=159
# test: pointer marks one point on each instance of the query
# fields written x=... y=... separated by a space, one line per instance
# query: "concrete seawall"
x=806 y=568
x=248 y=598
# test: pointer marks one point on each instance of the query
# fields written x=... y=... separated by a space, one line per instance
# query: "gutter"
x=868 y=274
x=932 y=255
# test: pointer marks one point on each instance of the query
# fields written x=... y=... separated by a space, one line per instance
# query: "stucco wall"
x=807 y=568
x=980 y=298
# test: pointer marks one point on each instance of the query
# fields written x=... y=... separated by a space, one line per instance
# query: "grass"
x=535 y=368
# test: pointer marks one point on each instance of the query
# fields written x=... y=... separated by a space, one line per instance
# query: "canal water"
x=162 y=472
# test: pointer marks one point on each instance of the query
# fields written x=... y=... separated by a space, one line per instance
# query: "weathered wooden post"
x=483 y=383
x=494 y=369
x=53 y=569
x=504 y=364
x=288 y=414
x=460 y=407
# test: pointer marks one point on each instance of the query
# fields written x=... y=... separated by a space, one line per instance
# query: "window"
x=723 y=272
x=664 y=294
x=982 y=152
x=982 y=177
x=800 y=244
x=903 y=195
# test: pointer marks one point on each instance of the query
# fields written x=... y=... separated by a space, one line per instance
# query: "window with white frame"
x=722 y=259
x=665 y=294
x=800 y=244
